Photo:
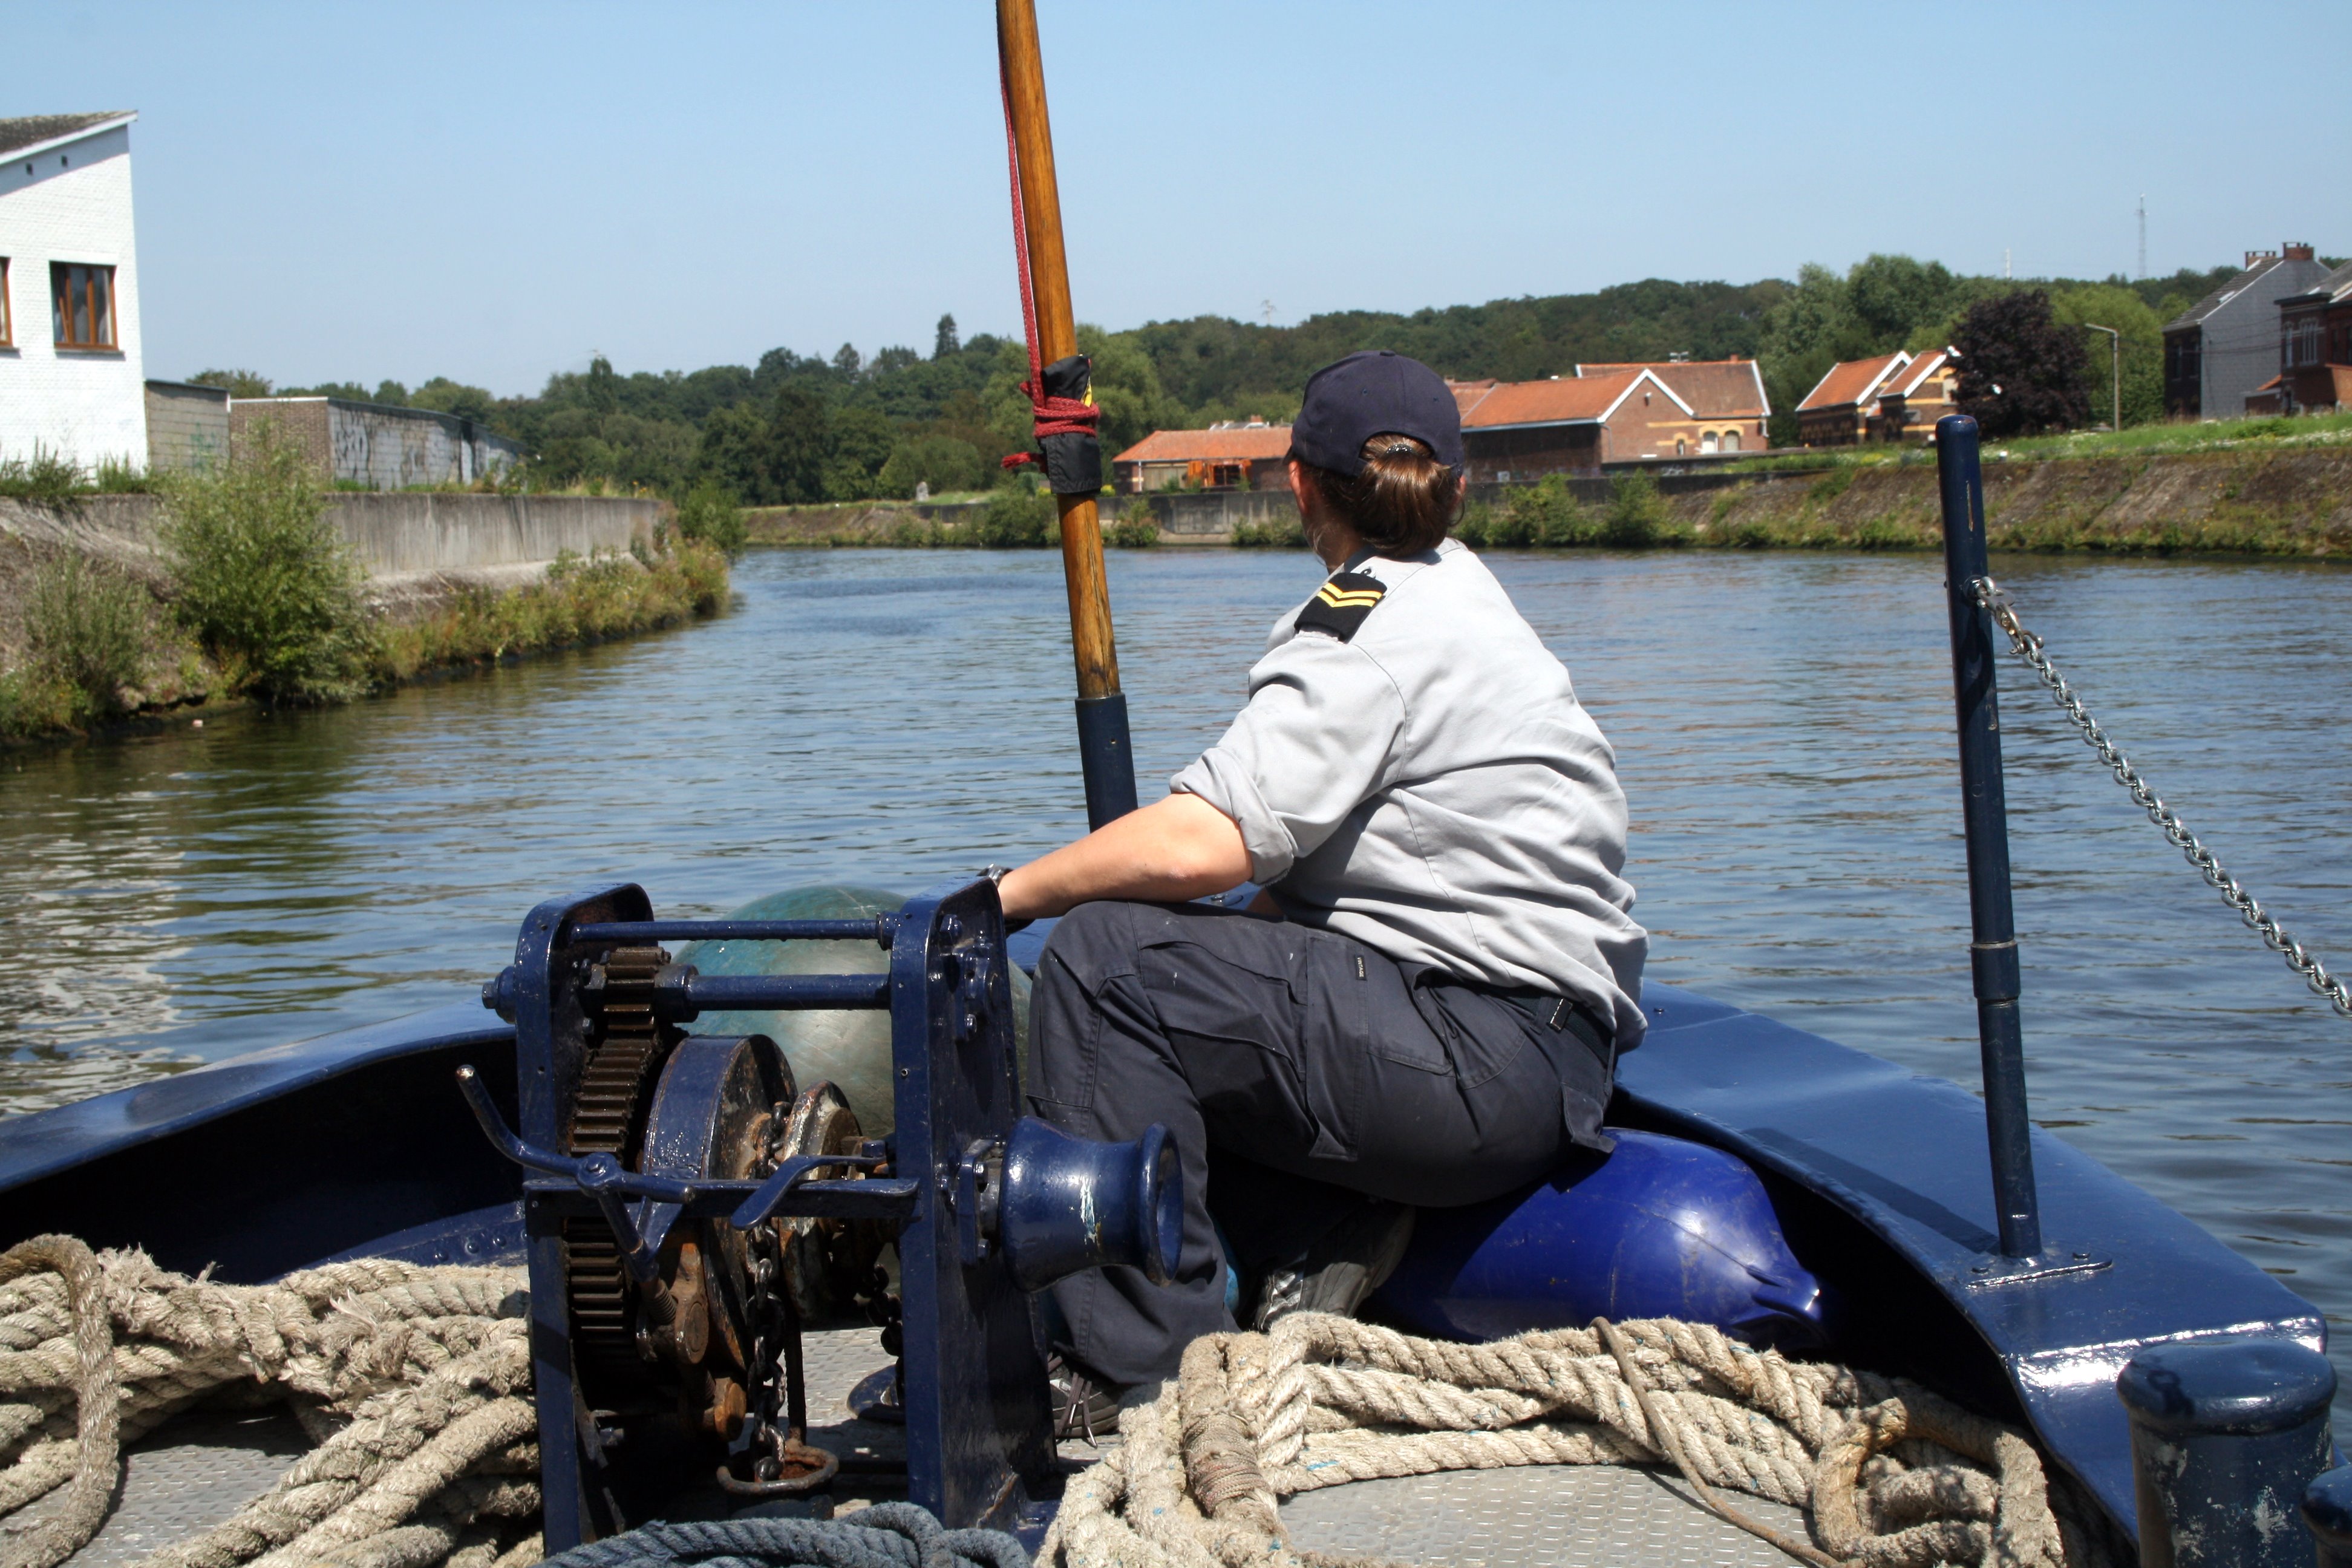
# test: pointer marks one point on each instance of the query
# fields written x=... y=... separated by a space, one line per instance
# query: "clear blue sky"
x=493 y=191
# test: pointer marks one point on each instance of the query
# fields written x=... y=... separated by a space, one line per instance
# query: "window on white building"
x=8 y=326
x=81 y=305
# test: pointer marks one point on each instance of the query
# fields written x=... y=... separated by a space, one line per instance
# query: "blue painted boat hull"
x=359 y=1144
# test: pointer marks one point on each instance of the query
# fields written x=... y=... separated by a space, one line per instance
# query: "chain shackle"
x=2029 y=647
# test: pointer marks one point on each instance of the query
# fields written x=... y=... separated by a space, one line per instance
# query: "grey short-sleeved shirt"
x=1432 y=787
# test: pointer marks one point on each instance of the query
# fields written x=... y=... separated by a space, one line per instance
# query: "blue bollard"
x=2226 y=1434
x=2328 y=1514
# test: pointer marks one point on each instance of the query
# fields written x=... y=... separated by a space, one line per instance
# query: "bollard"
x=2328 y=1513
x=2225 y=1435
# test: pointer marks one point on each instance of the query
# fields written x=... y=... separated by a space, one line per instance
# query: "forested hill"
x=795 y=427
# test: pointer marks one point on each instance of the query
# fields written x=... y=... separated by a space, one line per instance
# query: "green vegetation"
x=267 y=586
x=1135 y=528
x=86 y=630
x=581 y=602
x=708 y=513
x=1017 y=519
x=51 y=479
x=798 y=429
x=2256 y=433
x=264 y=601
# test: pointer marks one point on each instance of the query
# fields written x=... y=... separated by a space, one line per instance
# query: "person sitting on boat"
x=1435 y=1015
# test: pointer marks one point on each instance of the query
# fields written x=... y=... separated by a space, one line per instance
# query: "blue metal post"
x=2328 y=1514
x=2226 y=1437
x=1108 y=757
x=1992 y=952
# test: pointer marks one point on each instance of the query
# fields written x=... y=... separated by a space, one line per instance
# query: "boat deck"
x=196 y=1473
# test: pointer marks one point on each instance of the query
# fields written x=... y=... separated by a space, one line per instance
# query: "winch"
x=692 y=1207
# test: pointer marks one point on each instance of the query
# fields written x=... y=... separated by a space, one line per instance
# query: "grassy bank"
x=2246 y=497
x=2267 y=433
x=256 y=598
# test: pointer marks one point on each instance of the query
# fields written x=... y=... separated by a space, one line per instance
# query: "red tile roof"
x=1715 y=388
x=1853 y=381
x=1555 y=402
x=1467 y=394
x=1241 y=443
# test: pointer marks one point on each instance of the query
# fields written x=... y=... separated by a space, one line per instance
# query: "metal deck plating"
x=196 y=1473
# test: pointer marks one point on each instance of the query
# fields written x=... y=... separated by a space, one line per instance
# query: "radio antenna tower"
x=2143 y=236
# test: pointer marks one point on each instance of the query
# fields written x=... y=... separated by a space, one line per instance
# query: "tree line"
x=800 y=428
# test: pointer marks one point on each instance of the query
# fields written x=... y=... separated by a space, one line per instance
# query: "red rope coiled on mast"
x=1048 y=416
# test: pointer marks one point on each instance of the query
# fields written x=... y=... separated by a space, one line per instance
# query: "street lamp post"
x=2116 y=373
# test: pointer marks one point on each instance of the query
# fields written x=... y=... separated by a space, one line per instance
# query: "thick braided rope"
x=415 y=1383
x=888 y=1535
x=1891 y=1475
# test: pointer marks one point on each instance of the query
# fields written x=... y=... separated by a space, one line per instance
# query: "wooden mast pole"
x=1102 y=741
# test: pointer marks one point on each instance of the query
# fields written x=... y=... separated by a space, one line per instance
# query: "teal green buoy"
x=850 y=1050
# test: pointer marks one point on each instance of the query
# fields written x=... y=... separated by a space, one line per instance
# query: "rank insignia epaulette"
x=1341 y=605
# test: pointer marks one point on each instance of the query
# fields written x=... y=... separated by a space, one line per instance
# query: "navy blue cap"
x=1370 y=394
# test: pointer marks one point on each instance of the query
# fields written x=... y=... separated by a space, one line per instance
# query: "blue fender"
x=1660 y=1228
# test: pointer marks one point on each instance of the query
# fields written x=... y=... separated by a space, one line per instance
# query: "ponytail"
x=1400 y=503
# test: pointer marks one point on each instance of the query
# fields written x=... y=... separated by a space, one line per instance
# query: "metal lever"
x=773 y=1192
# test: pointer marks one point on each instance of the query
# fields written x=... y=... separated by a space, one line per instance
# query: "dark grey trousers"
x=1295 y=1069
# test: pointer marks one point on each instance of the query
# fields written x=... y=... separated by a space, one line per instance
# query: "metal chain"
x=2028 y=646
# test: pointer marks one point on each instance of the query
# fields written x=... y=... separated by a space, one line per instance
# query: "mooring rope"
x=1892 y=1475
x=413 y=1383
x=887 y=1535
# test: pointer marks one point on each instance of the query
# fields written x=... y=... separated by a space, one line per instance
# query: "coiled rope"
x=413 y=1383
x=887 y=1535
x=1892 y=1475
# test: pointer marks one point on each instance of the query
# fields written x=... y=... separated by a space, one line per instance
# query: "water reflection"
x=1783 y=723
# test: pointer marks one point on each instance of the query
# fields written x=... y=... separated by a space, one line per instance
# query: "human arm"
x=1177 y=848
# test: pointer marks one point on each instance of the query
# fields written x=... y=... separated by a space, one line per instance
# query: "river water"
x=1784 y=725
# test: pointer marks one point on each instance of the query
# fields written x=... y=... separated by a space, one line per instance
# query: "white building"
x=71 y=376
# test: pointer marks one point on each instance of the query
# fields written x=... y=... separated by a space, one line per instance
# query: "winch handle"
x=596 y=1174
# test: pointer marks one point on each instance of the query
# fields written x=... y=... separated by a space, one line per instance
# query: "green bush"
x=1287 y=534
x=86 y=627
x=1637 y=515
x=120 y=478
x=264 y=581
x=45 y=479
x=708 y=513
x=1545 y=513
x=1017 y=519
x=1137 y=527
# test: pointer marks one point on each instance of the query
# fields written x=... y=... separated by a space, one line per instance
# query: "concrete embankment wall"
x=2296 y=502
x=415 y=548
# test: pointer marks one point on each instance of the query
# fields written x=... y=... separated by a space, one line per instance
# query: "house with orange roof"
x=1726 y=397
x=1232 y=456
x=1837 y=412
x=1522 y=430
x=1912 y=399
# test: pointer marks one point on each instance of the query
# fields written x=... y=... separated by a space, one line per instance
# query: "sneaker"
x=1084 y=1407
x=1346 y=1263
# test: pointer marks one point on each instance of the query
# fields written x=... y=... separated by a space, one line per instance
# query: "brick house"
x=2224 y=347
x=71 y=376
x=2315 y=346
x=1726 y=397
x=1521 y=430
x=1222 y=457
x=1839 y=410
x=1912 y=399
